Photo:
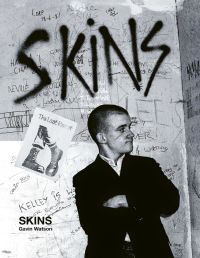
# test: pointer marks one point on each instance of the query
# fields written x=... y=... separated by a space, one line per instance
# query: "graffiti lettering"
x=37 y=35
x=68 y=60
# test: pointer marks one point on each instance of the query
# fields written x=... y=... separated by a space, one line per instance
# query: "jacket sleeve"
x=85 y=204
x=93 y=215
x=165 y=195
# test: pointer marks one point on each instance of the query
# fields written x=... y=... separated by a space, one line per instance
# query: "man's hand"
x=116 y=202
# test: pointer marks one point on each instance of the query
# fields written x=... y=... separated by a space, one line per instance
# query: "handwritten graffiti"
x=193 y=69
x=68 y=59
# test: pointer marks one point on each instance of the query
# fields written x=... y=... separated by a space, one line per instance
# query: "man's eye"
x=122 y=130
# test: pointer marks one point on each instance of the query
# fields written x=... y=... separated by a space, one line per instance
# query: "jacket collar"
x=103 y=167
x=111 y=162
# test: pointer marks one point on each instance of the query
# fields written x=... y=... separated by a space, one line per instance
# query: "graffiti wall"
x=68 y=57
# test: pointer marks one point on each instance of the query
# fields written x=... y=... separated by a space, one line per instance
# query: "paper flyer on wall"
x=61 y=60
x=46 y=143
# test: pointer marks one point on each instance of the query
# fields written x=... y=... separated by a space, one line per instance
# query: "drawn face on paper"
x=119 y=137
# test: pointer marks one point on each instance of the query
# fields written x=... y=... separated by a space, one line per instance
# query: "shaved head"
x=98 y=118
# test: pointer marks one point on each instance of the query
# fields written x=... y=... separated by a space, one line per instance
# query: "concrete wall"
x=189 y=37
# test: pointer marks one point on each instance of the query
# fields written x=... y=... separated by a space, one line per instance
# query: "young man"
x=120 y=197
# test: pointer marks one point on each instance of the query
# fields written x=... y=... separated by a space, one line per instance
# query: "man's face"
x=118 y=135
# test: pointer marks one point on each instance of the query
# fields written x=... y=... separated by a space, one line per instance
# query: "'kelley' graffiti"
x=68 y=59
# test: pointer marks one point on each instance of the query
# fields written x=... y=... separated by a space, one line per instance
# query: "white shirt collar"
x=116 y=166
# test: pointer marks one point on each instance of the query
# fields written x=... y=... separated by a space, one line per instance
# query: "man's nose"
x=130 y=133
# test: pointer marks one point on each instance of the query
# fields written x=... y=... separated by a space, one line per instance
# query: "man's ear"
x=101 y=138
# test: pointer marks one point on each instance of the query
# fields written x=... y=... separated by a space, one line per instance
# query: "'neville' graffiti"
x=68 y=59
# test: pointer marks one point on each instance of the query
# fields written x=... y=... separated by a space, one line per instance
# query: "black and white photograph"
x=99 y=129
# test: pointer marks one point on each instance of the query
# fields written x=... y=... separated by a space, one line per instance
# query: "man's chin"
x=128 y=150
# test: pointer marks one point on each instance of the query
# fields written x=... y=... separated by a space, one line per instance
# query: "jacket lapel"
x=105 y=169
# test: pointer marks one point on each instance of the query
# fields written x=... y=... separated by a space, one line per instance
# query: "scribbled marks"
x=18 y=183
x=111 y=11
x=193 y=69
x=6 y=252
x=15 y=121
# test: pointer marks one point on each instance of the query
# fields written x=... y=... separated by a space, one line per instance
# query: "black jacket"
x=149 y=194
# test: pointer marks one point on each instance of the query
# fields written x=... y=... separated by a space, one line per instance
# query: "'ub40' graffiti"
x=68 y=58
